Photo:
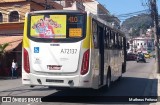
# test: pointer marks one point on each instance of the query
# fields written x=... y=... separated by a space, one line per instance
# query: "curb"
x=158 y=89
x=156 y=85
x=8 y=78
x=5 y=77
x=158 y=77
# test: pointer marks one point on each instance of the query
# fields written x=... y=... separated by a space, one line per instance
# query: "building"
x=141 y=44
x=94 y=7
x=12 y=15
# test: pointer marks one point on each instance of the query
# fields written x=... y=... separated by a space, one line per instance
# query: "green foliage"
x=137 y=23
x=2 y=49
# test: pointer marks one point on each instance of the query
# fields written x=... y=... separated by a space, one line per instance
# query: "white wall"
x=143 y=43
x=91 y=7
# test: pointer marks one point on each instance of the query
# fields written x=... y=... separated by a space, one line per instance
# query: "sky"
x=118 y=7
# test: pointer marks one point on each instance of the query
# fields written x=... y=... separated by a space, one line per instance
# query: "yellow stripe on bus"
x=91 y=34
x=25 y=38
x=86 y=41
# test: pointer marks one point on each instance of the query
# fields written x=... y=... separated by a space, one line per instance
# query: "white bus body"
x=83 y=62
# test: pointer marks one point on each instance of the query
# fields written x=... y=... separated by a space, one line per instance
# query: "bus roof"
x=106 y=23
x=57 y=11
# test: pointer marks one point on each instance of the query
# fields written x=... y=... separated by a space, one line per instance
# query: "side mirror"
x=127 y=45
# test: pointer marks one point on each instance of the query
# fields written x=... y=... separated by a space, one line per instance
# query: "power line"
x=133 y=13
x=144 y=3
x=121 y=15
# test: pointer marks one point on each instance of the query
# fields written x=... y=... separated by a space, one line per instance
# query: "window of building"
x=14 y=16
x=1 y=17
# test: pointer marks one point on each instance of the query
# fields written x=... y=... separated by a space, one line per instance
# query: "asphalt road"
x=139 y=80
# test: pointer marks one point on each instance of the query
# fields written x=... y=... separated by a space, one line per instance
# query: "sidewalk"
x=8 y=83
x=156 y=86
x=4 y=78
x=158 y=89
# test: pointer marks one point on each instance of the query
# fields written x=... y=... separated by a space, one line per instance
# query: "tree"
x=2 y=49
x=2 y=53
x=137 y=23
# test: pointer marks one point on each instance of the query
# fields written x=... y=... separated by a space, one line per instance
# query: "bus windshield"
x=57 y=26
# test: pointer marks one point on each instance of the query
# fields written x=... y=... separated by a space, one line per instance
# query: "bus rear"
x=56 y=49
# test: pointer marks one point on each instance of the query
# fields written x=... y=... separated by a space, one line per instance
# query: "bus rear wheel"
x=122 y=70
x=108 y=81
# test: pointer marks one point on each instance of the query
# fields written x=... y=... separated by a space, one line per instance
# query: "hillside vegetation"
x=136 y=23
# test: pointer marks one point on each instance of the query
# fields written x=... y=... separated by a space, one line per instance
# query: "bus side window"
x=120 y=42
x=112 y=40
x=95 y=34
x=123 y=43
x=106 y=38
x=105 y=41
x=116 y=41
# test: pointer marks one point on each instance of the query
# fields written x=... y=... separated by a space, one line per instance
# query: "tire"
x=108 y=81
x=119 y=78
x=123 y=68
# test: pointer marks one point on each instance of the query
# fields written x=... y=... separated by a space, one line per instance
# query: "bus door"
x=101 y=53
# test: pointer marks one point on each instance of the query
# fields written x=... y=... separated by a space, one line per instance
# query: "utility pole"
x=154 y=14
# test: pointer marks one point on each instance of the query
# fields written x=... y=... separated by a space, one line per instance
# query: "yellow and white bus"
x=65 y=48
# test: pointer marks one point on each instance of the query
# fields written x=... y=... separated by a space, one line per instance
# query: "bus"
x=70 y=48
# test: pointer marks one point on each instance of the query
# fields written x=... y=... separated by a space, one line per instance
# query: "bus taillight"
x=85 y=63
x=26 y=61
